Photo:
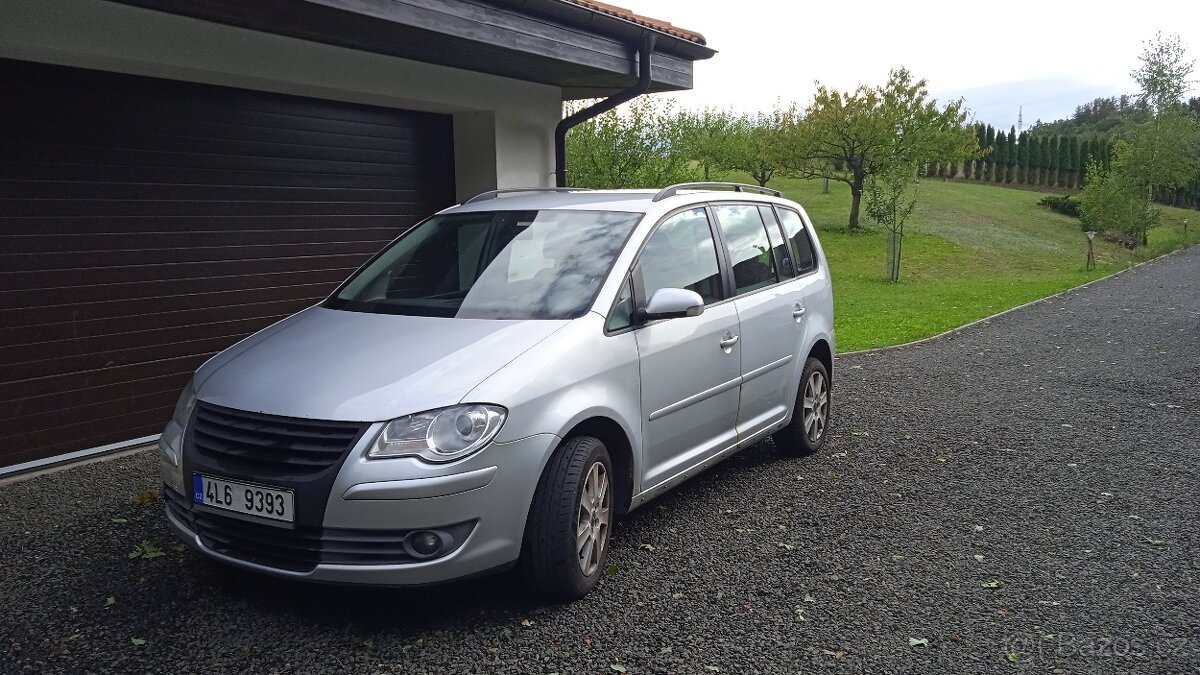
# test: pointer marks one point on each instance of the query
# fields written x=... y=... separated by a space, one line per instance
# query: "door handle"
x=729 y=341
x=798 y=313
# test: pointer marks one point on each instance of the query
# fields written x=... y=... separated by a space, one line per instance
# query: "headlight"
x=440 y=435
x=183 y=409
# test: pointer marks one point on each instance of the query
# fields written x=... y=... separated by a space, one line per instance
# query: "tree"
x=641 y=145
x=1159 y=154
x=709 y=134
x=1023 y=159
x=891 y=197
x=1052 y=161
x=757 y=144
x=872 y=130
x=981 y=135
x=1010 y=168
x=1065 y=170
x=989 y=159
x=1000 y=159
x=1077 y=164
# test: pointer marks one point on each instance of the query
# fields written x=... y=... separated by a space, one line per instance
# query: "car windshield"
x=492 y=265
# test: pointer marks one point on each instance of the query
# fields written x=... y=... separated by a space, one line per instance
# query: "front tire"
x=570 y=521
x=809 y=427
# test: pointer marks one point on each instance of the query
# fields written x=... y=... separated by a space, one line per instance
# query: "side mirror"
x=672 y=303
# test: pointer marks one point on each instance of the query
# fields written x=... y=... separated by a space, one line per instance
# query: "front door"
x=691 y=366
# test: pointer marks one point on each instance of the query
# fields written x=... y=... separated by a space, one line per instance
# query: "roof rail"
x=493 y=194
x=672 y=190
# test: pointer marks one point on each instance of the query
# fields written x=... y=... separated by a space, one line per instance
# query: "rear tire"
x=807 y=431
x=568 y=532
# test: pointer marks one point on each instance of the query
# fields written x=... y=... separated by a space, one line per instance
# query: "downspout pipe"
x=642 y=86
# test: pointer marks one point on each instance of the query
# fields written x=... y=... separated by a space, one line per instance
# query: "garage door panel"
x=48 y=189
x=133 y=240
x=192 y=175
x=164 y=292
x=146 y=225
x=139 y=272
x=201 y=254
x=132 y=310
x=157 y=208
x=102 y=345
x=86 y=434
x=132 y=330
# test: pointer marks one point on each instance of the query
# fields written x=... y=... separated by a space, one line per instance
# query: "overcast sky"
x=1047 y=56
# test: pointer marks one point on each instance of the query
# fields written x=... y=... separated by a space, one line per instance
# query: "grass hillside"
x=970 y=250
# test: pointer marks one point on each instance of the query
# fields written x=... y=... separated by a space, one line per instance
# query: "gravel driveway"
x=1020 y=496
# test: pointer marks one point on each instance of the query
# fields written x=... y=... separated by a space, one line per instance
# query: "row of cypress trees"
x=1026 y=159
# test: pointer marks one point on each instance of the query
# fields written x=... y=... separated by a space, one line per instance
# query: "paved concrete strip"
x=1025 y=489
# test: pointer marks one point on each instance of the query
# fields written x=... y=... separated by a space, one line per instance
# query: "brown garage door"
x=147 y=224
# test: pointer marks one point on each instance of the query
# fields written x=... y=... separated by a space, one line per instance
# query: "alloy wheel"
x=594 y=519
x=816 y=406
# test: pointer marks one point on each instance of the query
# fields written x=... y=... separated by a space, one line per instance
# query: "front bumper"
x=482 y=501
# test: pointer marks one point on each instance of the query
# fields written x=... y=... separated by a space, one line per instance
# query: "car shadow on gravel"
x=429 y=607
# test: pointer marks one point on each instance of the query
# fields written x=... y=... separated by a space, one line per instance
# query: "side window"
x=749 y=248
x=793 y=226
x=621 y=315
x=681 y=254
x=783 y=255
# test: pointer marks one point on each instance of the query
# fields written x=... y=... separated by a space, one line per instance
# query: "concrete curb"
x=965 y=326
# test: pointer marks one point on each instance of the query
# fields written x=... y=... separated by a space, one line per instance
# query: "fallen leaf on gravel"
x=1072 y=465
x=110 y=601
x=619 y=668
x=835 y=577
x=809 y=598
x=1154 y=542
x=786 y=547
x=991 y=584
x=137 y=641
x=146 y=550
x=978 y=558
x=646 y=547
x=838 y=454
x=1013 y=657
x=978 y=528
x=73 y=609
x=897 y=557
x=861 y=433
x=1133 y=517
x=120 y=520
x=611 y=570
x=1068 y=426
x=527 y=622
x=837 y=655
x=713 y=669
x=800 y=614
x=147 y=496
x=913 y=642
x=676 y=596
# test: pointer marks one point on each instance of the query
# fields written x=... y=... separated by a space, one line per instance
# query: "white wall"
x=503 y=128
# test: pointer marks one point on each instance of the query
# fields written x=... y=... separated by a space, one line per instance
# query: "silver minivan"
x=502 y=381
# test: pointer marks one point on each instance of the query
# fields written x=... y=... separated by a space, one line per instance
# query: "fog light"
x=425 y=543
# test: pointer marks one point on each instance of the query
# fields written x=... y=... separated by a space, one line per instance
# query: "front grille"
x=254 y=444
x=302 y=548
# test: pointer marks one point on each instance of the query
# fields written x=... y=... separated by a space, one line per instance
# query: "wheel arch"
x=620 y=451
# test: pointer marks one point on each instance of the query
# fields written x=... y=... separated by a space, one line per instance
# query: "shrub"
x=1062 y=204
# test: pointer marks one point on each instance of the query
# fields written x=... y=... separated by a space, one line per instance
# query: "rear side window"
x=681 y=254
x=749 y=248
x=793 y=227
x=783 y=255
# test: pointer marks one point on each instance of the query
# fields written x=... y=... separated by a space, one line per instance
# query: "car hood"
x=354 y=366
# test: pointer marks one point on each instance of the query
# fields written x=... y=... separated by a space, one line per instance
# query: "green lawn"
x=970 y=250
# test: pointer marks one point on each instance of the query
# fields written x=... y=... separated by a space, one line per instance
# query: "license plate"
x=252 y=500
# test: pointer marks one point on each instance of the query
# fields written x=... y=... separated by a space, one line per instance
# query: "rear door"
x=770 y=307
x=691 y=366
